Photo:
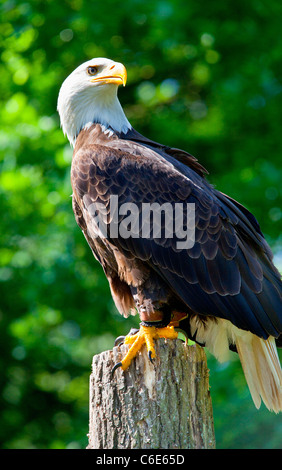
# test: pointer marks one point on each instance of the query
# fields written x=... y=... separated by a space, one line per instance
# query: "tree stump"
x=164 y=405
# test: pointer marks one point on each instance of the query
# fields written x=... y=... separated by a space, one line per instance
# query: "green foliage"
x=203 y=76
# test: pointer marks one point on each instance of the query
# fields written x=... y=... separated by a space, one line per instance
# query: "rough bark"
x=166 y=405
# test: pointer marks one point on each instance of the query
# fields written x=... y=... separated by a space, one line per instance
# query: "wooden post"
x=164 y=405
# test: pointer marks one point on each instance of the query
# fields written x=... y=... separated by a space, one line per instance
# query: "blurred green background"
x=203 y=76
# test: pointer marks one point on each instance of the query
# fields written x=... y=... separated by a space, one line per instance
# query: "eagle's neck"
x=79 y=111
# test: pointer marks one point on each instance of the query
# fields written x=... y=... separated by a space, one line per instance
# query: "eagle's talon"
x=116 y=366
x=133 y=331
x=150 y=356
x=119 y=340
x=146 y=335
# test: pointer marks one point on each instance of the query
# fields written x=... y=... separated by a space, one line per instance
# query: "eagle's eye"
x=92 y=70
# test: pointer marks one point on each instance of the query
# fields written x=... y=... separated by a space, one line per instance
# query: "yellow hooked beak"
x=116 y=74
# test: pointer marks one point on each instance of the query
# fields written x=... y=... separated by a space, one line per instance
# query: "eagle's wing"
x=228 y=273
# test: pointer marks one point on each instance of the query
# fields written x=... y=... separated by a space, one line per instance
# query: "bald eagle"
x=221 y=288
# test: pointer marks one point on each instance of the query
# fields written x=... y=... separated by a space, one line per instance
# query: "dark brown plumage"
x=228 y=273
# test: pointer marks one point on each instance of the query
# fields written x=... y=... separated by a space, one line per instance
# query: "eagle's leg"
x=145 y=335
x=158 y=318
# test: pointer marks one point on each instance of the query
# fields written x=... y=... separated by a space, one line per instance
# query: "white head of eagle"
x=89 y=95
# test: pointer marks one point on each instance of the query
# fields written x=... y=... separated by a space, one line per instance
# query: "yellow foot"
x=145 y=335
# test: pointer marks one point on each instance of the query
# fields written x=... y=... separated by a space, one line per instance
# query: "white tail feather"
x=258 y=357
x=262 y=370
